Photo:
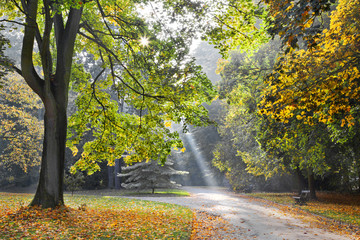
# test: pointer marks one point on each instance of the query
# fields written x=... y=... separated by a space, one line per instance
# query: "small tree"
x=74 y=182
x=149 y=175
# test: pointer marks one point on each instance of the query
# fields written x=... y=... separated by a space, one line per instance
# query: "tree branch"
x=27 y=65
x=46 y=58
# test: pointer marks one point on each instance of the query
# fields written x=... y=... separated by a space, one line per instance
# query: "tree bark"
x=311 y=184
x=301 y=180
x=53 y=91
x=117 y=170
x=49 y=193
x=111 y=177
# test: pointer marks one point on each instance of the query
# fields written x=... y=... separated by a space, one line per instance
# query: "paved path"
x=248 y=219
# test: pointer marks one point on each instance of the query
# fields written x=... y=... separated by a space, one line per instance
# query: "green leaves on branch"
x=140 y=81
x=238 y=25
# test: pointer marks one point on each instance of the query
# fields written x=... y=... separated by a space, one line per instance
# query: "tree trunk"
x=311 y=184
x=111 y=177
x=53 y=90
x=117 y=170
x=359 y=178
x=49 y=193
x=301 y=180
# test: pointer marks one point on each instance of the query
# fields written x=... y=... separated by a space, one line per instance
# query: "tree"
x=147 y=66
x=20 y=129
x=5 y=62
x=240 y=89
x=319 y=87
x=295 y=21
x=149 y=175
x=321 y=84
x=238 y=24
x=74 y=182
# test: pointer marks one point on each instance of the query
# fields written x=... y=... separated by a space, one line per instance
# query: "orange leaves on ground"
x=333 y=211
x=341 y=207
x=207 y=226
x=101 y=222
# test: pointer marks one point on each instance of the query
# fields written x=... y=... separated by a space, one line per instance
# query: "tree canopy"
x=137 y=62
x=321 y=83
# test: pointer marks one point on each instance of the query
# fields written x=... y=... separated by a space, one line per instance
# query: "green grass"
x=282 y=198
x=124 y=192
x=160 y=192
x=93 y=217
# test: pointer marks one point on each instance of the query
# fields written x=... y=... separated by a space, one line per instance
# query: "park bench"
x=303 y=197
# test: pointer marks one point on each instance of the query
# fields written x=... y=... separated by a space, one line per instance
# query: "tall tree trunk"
x=52 y=89
x=300 y=179
x=311 y=184
x=117 y=170
x=49 y=193
x=111 y=177
x=359 y=178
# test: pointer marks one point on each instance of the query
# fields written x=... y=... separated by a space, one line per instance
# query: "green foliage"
x=238 y=24
x=74 y=182
x=296 y=21
x=155 y=77
x=5 y=63
x=241 y=87
x=158 y=80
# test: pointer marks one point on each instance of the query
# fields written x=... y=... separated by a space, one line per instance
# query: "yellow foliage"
x=20 y=129
x=321 y=81
x=168 y=124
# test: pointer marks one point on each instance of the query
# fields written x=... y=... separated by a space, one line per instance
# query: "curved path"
x=248 y=219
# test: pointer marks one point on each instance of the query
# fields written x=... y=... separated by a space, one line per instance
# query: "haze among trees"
x=298 y=113
x=286 y=104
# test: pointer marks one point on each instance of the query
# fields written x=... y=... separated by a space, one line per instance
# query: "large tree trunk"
x=52 y=88
x=49 y=193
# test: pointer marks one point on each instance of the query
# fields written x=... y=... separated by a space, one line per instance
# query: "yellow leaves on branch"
x=168 y=124
x=321 y=83
x=20 y=129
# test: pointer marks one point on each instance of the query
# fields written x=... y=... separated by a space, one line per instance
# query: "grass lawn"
x=147 y=193
x=341 y=208
x=93 y=217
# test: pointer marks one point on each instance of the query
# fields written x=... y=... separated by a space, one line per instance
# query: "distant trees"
x=308 y=118
x=74 y=182
x=149 y=175
x=20 y=129
x=319 y=87
x=4 y=61
x=240 y=90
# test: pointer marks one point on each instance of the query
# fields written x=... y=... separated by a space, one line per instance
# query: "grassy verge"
x=147 y=193
x=93 y=217
x=342 y=208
